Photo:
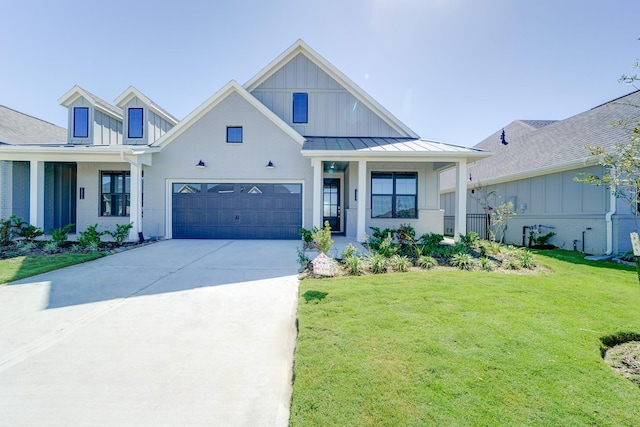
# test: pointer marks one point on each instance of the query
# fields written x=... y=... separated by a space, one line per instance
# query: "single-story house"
x=534 y=165
x=295 y=146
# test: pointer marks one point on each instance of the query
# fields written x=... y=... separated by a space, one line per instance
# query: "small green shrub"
x=430 y=242
x=25 y=246
x=349 y=251
x=378 y=263
x=491 y=247
x=90 y=237
x=353 y=265
x=471 y=240
x=486 y=264
x=6 y=234
x=378 y=236
x=527 y=259
x=400 y=263
x=29 y=232
x=463 y=261
x=303 y=260
x=121 y=234
x=61 y=235
x=511 y=264
x=50 y=247
x=307 y=236
x=544 y=239
x=387 y=248
x=92 y=246
x=322 y=238
x=427 y=262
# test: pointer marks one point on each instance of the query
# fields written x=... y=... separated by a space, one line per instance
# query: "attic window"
x=300 y=108
x=81 y=122
x=234 y=134
x=135 y=123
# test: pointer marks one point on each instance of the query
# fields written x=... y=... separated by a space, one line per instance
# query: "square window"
x=394 y=195
x=300 y=108
x=135 y=123
x=234 y=134
x=81 y=122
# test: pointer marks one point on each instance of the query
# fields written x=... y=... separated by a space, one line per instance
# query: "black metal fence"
x=475 y=222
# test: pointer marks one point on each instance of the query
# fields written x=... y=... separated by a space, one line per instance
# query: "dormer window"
x=300 y=108
x=81 y=122
x=135 y=123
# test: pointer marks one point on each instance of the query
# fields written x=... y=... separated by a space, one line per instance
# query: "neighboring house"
x=297 y=145
x=535 y=170
x=19 y=129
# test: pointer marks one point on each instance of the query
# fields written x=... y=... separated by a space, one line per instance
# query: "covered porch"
x=360 y=183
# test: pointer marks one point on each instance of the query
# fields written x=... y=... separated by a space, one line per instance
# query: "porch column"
x=362 y=201
x=460 y=226
x=36 y=193
x=135 y=202
x=317 y=192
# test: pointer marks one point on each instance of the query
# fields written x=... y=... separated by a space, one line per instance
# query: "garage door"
x=236 y=211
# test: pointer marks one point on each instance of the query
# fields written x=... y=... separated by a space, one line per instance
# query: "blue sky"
x=452 y=70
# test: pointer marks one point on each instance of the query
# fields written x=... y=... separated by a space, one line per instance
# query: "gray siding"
x=333 y=111
x=154 y=125
x=157 y=126
x=6 y=192
x=21 y=186
x=103 y=129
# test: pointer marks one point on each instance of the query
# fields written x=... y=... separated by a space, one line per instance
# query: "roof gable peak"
x=132 y=92
x=76 y=92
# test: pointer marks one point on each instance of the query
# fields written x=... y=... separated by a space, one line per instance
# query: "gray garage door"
x=236 y=211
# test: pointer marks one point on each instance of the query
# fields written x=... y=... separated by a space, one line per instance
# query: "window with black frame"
x=394 y=195
x=114 y=193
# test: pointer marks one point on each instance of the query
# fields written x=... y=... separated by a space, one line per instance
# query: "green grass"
x=25 y=266
x=466 y=348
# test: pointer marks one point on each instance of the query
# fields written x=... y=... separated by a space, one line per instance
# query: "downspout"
x=613 y=201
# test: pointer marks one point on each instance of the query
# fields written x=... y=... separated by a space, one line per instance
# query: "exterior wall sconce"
x=201 y=165
x=270 y=165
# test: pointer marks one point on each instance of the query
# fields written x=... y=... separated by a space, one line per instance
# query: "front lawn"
x=466 y=348
x=19 y=267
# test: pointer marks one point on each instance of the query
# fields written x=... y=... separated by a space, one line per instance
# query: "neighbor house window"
x=234 y=134
x=81 y=122
x=114 y=193
x=394 y=195
x=300 y=108
x=135 y=123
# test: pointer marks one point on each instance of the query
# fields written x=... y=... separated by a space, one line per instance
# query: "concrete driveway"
x=179 y=332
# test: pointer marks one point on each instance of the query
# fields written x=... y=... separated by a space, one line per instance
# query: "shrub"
x=322 y=238
x=349 y=251
x=527 y=259
x=25 y=246
x=491 y=247
x=5 y=232
x=387 y=248
x=303 y=260
x=90 y=237
x=353 y=265
x=50 y=247
x=307 y=236
x=471 y=240
x=29 y=232
x=121 y=234
x=511 y=264
x=378 y=236
x=486 y=264
x=463 y=261
x=61 y=235
x=92 y=246
x=427 y=262
x=378 y=263
x=544 y=239
x=400 y=263
x=430 y=242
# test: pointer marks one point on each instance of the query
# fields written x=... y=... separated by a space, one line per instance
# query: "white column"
x=135 y=202
x=36 y=194
x=363 y=196
x=460 y=226
x=317 y=192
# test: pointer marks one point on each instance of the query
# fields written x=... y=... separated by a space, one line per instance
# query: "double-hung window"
x=300 y=108
x=81 y=122
x=394 y=195
x=114 y=193
x=135 y=123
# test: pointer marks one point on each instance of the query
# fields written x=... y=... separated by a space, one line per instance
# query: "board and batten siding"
x=103 y=129
x=154 y=125
x=333 y=110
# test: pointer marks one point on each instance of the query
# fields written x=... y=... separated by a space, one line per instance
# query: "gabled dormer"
x=92 y=121
x=144 y=121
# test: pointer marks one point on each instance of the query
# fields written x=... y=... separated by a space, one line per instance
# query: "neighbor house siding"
x=333 y=110
x=6 y=192
x=20 y=193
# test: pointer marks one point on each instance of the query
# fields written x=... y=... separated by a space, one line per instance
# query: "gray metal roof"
x=104 y=104
x=20 y=128
x=380 y=144
x=538 y=144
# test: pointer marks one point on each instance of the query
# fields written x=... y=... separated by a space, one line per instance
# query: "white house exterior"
x=536 y=168
x=297 y=145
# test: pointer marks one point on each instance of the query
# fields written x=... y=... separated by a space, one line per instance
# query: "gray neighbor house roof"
x=17 y=128
x=535 y=147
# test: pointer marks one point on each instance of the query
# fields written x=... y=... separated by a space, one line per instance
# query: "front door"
x=331 y=204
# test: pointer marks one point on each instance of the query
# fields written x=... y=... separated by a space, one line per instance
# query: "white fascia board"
x=131 y=92
x=396 y=156
x=73 y=153
x=216 y=99
x=76 y=92
x=362 y=96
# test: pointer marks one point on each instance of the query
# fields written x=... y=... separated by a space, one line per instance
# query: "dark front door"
x=331 y=203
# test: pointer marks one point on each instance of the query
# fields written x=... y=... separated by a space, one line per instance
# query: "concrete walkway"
x=180 y=332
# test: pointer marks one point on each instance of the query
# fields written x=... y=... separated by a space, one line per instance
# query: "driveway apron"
x=179 y=332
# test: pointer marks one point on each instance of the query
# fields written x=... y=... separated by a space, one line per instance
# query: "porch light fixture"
x=270 y=165
x=201 y=165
